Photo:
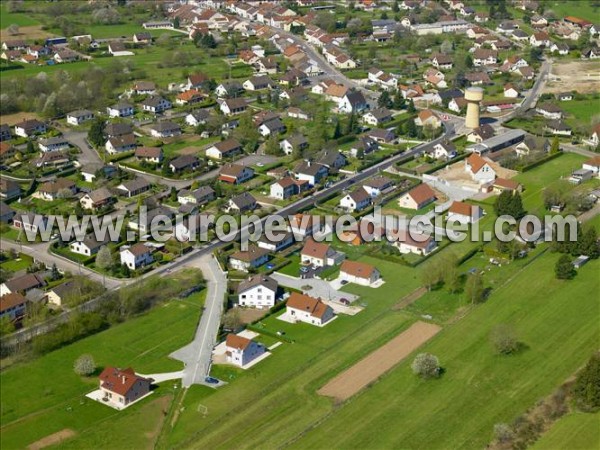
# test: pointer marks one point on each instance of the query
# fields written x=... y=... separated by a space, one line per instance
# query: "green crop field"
x=556 y=321
x=575 y=431
x=44 y=396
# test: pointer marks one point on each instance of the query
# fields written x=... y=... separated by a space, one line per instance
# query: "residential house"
x=200 y=196
x=332 y=159
x=353 y=102
x=164 y=129
x=29 y=127
x=136 y=256
x=142 y=38
x=22 y=284
x=565 y=96
x=183 y=163
x=241 y=203
x=307 y=309
x=7 y=151
x=286 y=187
x=229 y=89
x=485 y=57
x=443 y=150
x=558 y=127
x=123 y=387
x=252 y=258
x=377 y=117
x=197 y=117
x=12 y=306
x=479 y=169
x=363 y=146
x=196 y=81
x=190 y=97
x=96 y=199
x=303 y=225
x=134 y=187
x=257 y=83
x=418 y=197
x=241 y=351
x=29 y=221
x=296 y=142
x=156 y=104
x=65 y=55
x=478 y=78
x=53 y=144
x=311 y=172
x=297 y=113
x=88 y=246
x=53 y=190
x=464 y=213
x=271 y=127
x=510 y=91
x=6 y=213
x=442 y=61
x=593 y=165
x=356 y=200
x=481 y=133
x=381 y=135
x=427 y=117
x=224 y=149
x=120 y=144
x=540 y=39
x=532 y=144
x=560 y=47
x=235 y=173
x=376 y=185
x=5 y=132
x=121 y=109
x=80 y=116
x=233 y=106
x=503 y=184
x=320 y=254
x=9 y=190
x=457 y=104
x=118 y=48
x=194 y=226
x=280 y=241
x=412 y=242
x=117 y=129
x=152 y=155
x=144 y=88
x=259 y=291
x=549 y=111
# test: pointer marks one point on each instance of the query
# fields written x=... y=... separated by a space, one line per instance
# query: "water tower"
x=473 y=96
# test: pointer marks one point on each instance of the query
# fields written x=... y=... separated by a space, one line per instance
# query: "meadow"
x=8 y=18
x=575 y=431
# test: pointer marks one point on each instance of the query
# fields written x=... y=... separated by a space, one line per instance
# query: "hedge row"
x=540 y=162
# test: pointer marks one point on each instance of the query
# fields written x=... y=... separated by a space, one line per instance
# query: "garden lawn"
x=21 y=263
x=556 y=321
x=577 y=431
x=580 y=112
x=44 y=396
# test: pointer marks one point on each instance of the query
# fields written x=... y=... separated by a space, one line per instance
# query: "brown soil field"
x=26 y=33
x=11 y=119
x=370 y=368
x=52 y=439
x=580 y=76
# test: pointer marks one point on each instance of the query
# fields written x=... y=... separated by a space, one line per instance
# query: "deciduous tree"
x=426 y=366
x=84 y=365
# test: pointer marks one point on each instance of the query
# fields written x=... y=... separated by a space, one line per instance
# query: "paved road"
x=197 y=355
x=319 y=288
x=79 y=139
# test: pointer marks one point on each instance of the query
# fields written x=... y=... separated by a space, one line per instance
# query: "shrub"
x=426 y=366
x=84 y=365
x=504 y=339
x=587 y=385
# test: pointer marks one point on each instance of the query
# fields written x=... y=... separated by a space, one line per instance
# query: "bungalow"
x=510 y=91
x=257 y=83
x=353 y=102
x=142 y=38
x=200 y=196
x=80 y=116
x=149 y=154
x=297 y=113
x=241 y=351
x=144 y=88
x=250 y=259
x=332 y=159
x=118 y=129
x=134 y=187
x=229 y=89
x=320 y=254
x=311 y=172
x=481 y=133
x=558 y=127
x=464 y=213
x=183 y=163
x=5 y=132
x=123 y=387
x=196 y=81
x=29 y=127
x=29 y=221
x=156 y=104
x=257 y=292
x=53 y=144
x=136 y=256
x=478 y=78
x=281 y=241
x=503 y=184
x=540 y=39
x=22 y=284
x=65 y=55
x=592 y=164
x=442 y=61
x=382 y=135
x=479 y=169
x=295 y=142
x=376 y=185
x=412 y=242
x=224 y=149
x=121 y=109
x=165 y=129
x=197 y=117
x=118 y=49
x=377 y=117
x=235 y=173
x=190 y=97
x=88 y=246
x=445 y=150
x=286 y=187
x=241 y=203
x=53 y=190
x=12 y=306
x=96 y=199
x=418 y=197
x=549 y=111
x=307 y=309
x=485 y=57
x=271 y=127
x=359 y=273
x=356 y=200
x=303 y=225
x=233 y=106
x=120 y=144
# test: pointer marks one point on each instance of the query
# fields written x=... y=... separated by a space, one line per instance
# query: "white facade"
x=257 y=297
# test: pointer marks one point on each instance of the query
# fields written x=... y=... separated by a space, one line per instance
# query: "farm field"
x=44 y=396
x=575 y=431
x=580 y=112
x=402 y=410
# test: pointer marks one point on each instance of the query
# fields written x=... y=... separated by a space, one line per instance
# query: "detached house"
x=420 y=244
x=320 y=254
x=224 y=149
x=250 y=259
x=96 y=199
x=356 y=200
x=241 y=351
x=484 y=57
x=295 y=142
x=259 y=291
x=258 y=83
x=540 y=39
x=134 y=187
x=120 y=144
x=200 y=196
x=29 y=127
x=183 y=163
x=136 y=256
x=427 y=117
x=53 y=190
x=121 y=109
x=377 y=117
x=353 y=102
x=235 y=173
x=549 y=111
x=286 y=187
x=233 y=106
x=156 y=104
x=197 y=117
x=479 y=169
x=80 y=116
x=464 y=213
x=359 y=273
x=165 y=129
x=311 y=172
x=149 y=154
x=241 y=203
x=88 y=246
x=307 y=309
x=123 y=387
x=53 y=144
x=418 y=197
x=190 y=97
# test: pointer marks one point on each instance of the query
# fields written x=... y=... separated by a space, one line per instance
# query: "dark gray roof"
x=257 y=280
x=244 y=200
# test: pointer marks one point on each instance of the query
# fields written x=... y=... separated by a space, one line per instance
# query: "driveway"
x=318 y=288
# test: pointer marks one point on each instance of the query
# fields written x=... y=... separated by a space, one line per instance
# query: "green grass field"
x=8 y=18
x=576 y=431
x=580 y=112
x=557 y=322
x=44 y=396
x=21 y=263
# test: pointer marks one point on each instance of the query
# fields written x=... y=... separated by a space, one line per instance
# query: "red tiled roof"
x=119 y=381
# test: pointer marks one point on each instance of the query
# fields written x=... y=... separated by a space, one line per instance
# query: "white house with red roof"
x=464 y=212
x=359 y=273
x=241 y=351
x=303 y=308
x=122 y=387
x=479 y=169
x=320 y=254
